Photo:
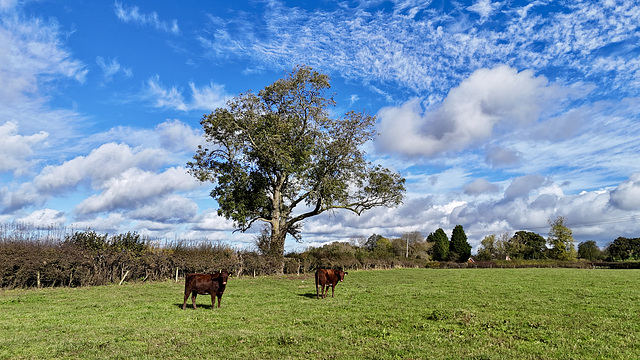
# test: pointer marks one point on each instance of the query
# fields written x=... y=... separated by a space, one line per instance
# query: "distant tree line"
x=31 y=257
x=559 y=245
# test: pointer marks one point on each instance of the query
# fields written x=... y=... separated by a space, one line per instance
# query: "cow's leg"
x=186 y=296
x=219 y=300
x=193 y=299
x=317 y=292
x=213 y=300
x=325 y=291
x=333 y=287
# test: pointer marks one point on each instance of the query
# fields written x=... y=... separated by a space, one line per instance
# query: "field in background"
x=391 y=314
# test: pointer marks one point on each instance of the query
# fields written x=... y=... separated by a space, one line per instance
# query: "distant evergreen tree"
x=440 y=249
x=459 y=248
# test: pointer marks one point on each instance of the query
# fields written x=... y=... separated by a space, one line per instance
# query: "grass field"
x=393 y=314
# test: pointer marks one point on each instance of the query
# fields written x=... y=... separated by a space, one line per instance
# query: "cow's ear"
x=345 y=273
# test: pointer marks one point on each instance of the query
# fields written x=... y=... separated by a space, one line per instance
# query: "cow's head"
x=224 y=274
x=341 y=274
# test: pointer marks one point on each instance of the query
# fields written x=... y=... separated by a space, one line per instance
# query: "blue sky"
x=500 y=115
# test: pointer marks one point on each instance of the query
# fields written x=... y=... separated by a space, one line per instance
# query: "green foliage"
x=459 y=248
x=383 y=249
x=589 y=250
x=130 y=242
x=440 y=249
x=624 y=249
x=439 y=314
x=88 y=240
x=561 y=241
x=492 y=248
x=370 y=243
x=527 y=245
x=277 y=157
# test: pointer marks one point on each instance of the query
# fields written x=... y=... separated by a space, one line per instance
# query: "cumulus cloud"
x=100 y=166
x=480 y=186
x=25 y=195
x=210 y=220
x=498 y=156
x=626 y=196
x=45 y=217
x=178 y=136
x=135 y=188
x=468 y=116
x=114 y=222
x=167 y=209
x=15 y=149
x=523 y=185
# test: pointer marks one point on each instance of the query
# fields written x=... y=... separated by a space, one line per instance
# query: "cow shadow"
x=307 y=295
x=190 y=306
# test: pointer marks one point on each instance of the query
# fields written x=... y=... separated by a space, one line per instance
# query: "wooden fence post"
x=124 y=277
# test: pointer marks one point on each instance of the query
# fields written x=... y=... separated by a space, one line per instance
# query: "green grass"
x=394 y=314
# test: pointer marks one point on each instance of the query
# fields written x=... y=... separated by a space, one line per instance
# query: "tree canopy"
x=561 y=240
x=533 y=245
x=279 y=158
x=589 y=250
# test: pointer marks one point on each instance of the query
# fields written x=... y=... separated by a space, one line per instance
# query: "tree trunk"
x=278 y=231
x=276 y=251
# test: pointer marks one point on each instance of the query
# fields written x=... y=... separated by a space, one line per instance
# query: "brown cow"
x=203 y=284
x=326 y=278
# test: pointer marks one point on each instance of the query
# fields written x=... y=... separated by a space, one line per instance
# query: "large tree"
x=534 y=245
x=589 y=250
x=440 y=249
x=493 y=248
x=279 y=157
x=561 y=240
x=459 y=248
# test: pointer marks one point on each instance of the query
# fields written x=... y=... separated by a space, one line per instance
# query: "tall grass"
x=392 y=314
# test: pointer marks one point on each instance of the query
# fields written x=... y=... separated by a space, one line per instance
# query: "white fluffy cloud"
x=135 y=188
x=44 y=218
x=178 y=136
x=627 y=195
x=15 y=149
x=469 y=115
x=166 y=209
x=480 y=186
x=100 y=166
x=523 y=185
